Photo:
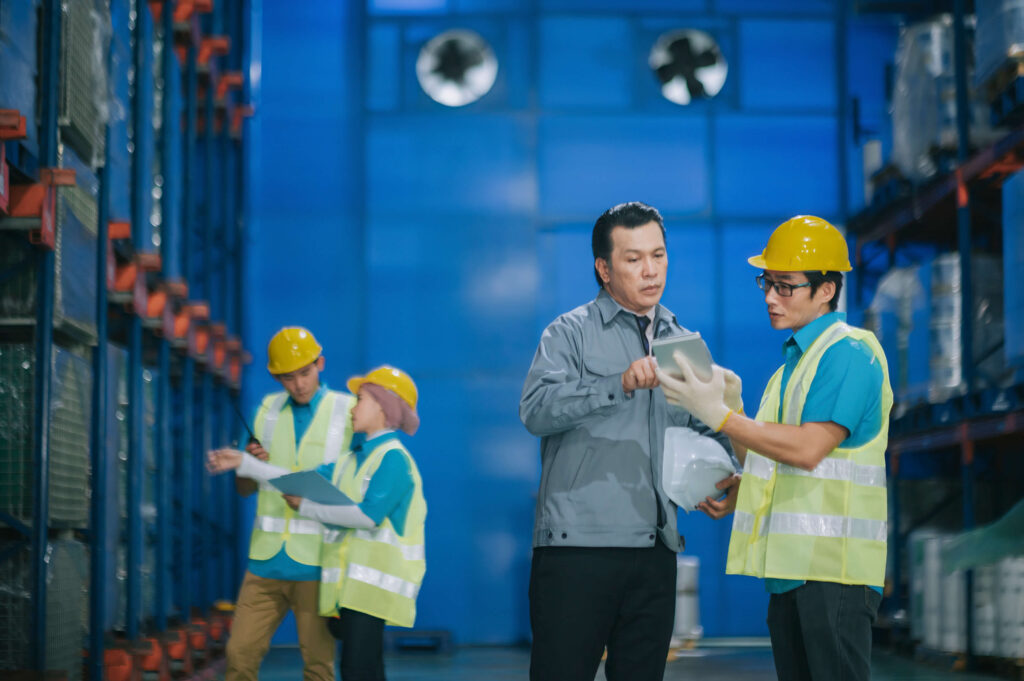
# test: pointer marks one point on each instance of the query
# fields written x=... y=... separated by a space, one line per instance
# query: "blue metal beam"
x=963 y=222
x=170 y=248
x=164 y=461
x=98 y=549
x=206 y=507
x=136 y=415
x=184 y=458
x=49 y=78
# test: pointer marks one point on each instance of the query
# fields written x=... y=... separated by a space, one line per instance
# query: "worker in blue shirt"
x=302 y=426
x=372 y=557
x=811 y=510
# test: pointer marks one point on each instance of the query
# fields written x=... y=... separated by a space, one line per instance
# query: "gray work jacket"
x=601 y=448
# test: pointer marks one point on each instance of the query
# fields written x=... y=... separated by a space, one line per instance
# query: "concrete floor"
x=512 y=664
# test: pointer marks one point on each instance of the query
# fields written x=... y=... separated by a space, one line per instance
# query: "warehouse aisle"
x=512 y=664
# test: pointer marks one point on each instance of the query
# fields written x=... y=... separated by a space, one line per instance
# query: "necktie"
x=642 y=322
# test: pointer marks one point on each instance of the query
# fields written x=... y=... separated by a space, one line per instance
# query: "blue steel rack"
x=176 y=362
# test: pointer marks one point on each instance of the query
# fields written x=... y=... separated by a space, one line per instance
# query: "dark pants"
x=583 y=599
x=362 y=645
x=821 y=631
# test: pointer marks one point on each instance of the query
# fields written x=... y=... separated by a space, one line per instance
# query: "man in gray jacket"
x=605 y=537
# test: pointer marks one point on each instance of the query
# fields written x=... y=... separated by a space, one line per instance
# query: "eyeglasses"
x=783 y=289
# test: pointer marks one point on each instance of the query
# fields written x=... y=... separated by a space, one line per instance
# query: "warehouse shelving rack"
x=953 y=210
x=157 y=309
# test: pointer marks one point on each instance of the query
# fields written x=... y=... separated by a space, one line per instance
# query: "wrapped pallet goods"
x=1000 y=35
x=924 y=101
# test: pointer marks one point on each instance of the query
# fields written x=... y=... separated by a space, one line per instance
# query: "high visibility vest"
x=329 y=434
x=378 y=571
x=828 y=524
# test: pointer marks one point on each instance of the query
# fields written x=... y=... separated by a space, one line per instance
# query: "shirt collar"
x=609 y=308
x=372 y=440
x=313 y=402
x=807 y=335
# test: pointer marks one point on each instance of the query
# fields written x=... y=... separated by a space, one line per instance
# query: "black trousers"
x=821 y=631
x=585 y=599
x=361 y=638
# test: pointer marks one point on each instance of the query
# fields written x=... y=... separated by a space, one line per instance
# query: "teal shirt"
x=282 y=566
x=847 y=389
x=390 y=490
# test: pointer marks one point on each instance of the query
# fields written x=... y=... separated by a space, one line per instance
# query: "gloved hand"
x=733 y=397
x=705 y=400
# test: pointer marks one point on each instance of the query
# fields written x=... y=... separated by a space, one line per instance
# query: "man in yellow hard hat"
x=811 y=516
x=303 y=426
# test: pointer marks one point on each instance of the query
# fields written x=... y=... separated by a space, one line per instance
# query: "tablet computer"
x=691 y=345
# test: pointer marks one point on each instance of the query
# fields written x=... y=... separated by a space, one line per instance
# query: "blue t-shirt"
x=847 y=389
x=281 y=566
x=390 y=490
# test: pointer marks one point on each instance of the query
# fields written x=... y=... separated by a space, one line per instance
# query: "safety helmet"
x=804 y=243
x=291 y=348
x=395 y=380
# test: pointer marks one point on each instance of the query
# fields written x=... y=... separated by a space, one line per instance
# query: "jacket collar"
x=609 y=309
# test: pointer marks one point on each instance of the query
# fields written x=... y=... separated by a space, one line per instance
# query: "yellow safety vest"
x=828 y=524
x=327 y=436
x=378 y=571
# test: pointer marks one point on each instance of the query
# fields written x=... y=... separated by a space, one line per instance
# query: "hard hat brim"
x=758 y=261
x=355 y=383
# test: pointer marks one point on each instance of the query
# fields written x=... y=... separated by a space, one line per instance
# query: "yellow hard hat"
x=804 y=244
x=291 y=348
x=395 y=380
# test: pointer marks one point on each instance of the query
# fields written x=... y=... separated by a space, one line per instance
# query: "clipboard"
x=313 y=486
x=693 y=348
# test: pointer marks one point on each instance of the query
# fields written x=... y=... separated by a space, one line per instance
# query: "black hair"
x=629 y=215
x=816 y=278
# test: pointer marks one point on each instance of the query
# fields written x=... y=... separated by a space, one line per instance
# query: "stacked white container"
x=1010 y=631
x=916 y=543
x=945 y=359
x=986 y=610
x=687 y=626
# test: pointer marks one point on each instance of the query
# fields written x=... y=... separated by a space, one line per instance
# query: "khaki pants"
x=262 y=604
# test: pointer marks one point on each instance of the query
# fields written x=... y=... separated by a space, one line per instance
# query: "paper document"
x=693 y=348
x=313 y=486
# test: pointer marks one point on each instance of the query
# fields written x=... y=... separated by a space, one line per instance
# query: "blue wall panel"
x=787 y=7
x=566 y=269
x=407 y=6
x=450 y=164
x=585 y=62
x=463 y=288
x=624 y=6
x=778 y=166
x=788 y=65
x=588 y=163
x=383 y=81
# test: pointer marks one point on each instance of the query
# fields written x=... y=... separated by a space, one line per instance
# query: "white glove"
x=733 y=396
x=705 y=400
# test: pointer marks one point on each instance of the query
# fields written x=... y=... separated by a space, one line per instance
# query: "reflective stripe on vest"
x=294 y=525
x=827 y=469
x=368 y=575
x=386 y=535
x=336 y=431
x=827 y=524
x=273 y=414
x=807 y=524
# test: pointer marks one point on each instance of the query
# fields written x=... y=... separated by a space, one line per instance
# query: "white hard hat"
x=691 y=467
